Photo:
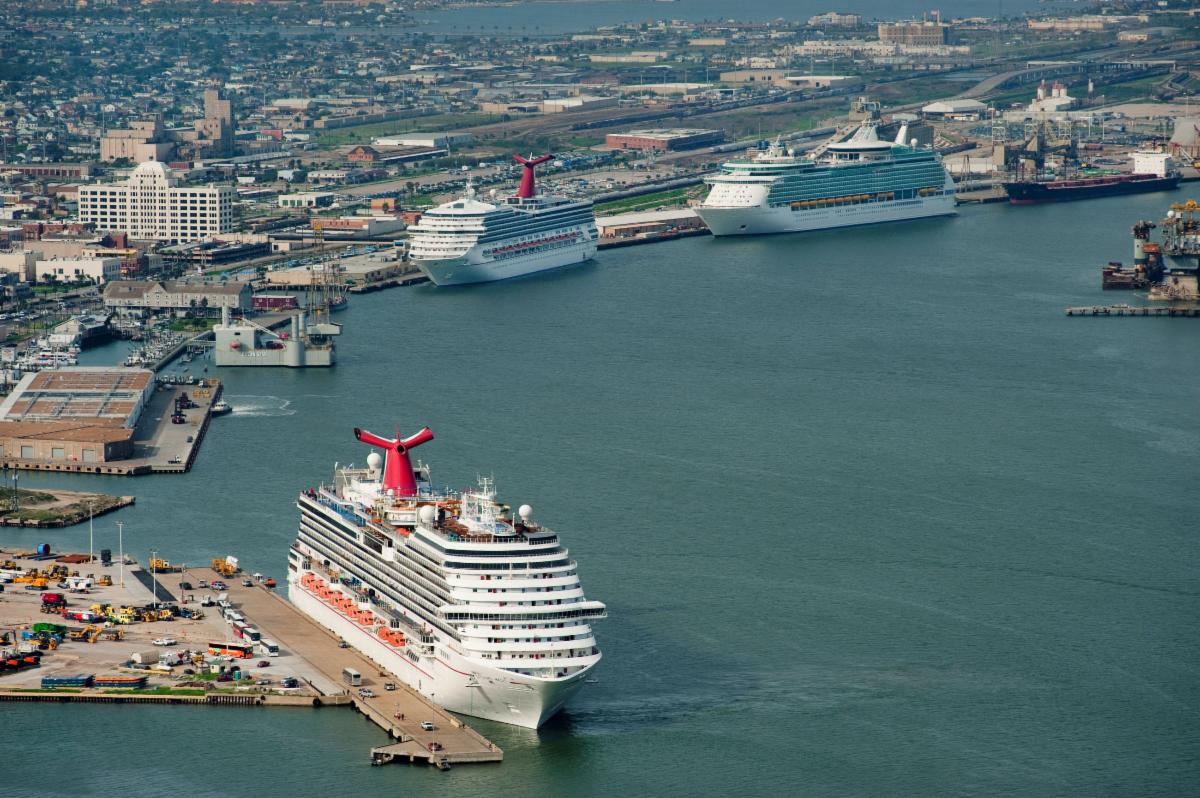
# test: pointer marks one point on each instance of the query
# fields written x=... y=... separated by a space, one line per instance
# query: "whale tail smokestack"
x=527 y=188
x=397 y=467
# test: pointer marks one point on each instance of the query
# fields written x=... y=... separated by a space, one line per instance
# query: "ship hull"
x=761 y=219
x=459 y=684
x=1035 y=193
x=471 y=268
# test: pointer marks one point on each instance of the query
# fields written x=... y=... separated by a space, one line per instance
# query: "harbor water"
x=871 y=516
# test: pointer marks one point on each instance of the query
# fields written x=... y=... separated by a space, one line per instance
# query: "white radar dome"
x=374 y=461
x=524 y=511
x=427 y=513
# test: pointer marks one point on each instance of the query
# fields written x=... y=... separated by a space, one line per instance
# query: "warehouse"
x=78 y=414
x=664 y=139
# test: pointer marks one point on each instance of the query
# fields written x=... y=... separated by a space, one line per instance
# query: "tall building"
x=152 y=205
x=148 y=140
x=215 y=131
x=924 y=33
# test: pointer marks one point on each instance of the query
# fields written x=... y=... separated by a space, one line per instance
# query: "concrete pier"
x=399 y=712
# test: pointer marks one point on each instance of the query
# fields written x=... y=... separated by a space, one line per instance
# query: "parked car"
x=165 y=641
x=185 y=585
x=367 y=692
x=427 y=725
x=264 y=663
x=389 y=686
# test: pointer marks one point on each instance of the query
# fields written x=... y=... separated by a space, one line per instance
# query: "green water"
x=871 y=516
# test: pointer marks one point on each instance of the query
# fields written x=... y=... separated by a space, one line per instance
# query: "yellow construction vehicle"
x=224 y=567
x=114 y=634
x=51 y=644
x=94 y=634
x=78 y=634
x=104 y=581
x=163 y=567
x=40 y=583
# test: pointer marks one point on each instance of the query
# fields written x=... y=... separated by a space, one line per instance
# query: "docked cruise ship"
x=475 y=607
x=470 y=241
x=863 y=180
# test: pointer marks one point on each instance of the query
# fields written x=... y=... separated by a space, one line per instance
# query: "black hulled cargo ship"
x=1030 y=192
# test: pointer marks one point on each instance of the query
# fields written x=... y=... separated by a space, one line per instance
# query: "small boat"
x=221 y=408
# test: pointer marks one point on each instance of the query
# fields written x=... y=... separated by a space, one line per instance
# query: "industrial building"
x=962 y=110
x=664 y=139
x=78 y=414
x=153 y=205
x=643 y=223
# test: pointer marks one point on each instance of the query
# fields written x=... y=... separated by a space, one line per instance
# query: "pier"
x=1191 y=312
x=398 y=712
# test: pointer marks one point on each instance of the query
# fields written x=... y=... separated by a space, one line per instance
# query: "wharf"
x=159 y=446
x=1192 y=311
x=633 y=241
x=399 y=712
x=392 y=282
x=212 y=699
x=982 y=197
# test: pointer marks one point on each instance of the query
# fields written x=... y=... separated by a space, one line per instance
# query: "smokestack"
x=397 y=467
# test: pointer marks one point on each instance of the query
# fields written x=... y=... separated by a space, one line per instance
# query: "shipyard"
x=650 y=397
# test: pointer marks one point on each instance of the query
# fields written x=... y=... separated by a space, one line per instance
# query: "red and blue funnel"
x=397 y=468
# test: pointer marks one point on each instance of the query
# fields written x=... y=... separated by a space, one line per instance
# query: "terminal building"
x=72 y=415
x=664 y=139
x=153 y=205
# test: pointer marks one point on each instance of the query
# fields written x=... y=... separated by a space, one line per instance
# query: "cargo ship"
x=1151 y=172
x=478 y=608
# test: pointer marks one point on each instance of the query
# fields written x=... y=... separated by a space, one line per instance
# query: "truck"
x=53 y=602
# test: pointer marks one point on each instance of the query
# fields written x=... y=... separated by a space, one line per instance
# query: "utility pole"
x=90 y=534
x=154 y=574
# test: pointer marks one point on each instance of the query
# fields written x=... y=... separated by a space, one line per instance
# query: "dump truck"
x=53 y=602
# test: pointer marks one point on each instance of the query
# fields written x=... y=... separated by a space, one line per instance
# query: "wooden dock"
x=399 y=712
x=1169 y=311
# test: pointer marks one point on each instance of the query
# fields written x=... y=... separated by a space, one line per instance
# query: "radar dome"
x=427 y=513
x=374 y=461
x=524 y=511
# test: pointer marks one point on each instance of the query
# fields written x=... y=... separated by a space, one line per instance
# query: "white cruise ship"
x=479 y=609
x=863 y=180
x=470 y=241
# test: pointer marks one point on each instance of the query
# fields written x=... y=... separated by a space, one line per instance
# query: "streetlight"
x=121 y=548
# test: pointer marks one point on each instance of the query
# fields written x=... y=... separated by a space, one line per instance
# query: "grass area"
x=672 y=198
x=194 y=325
